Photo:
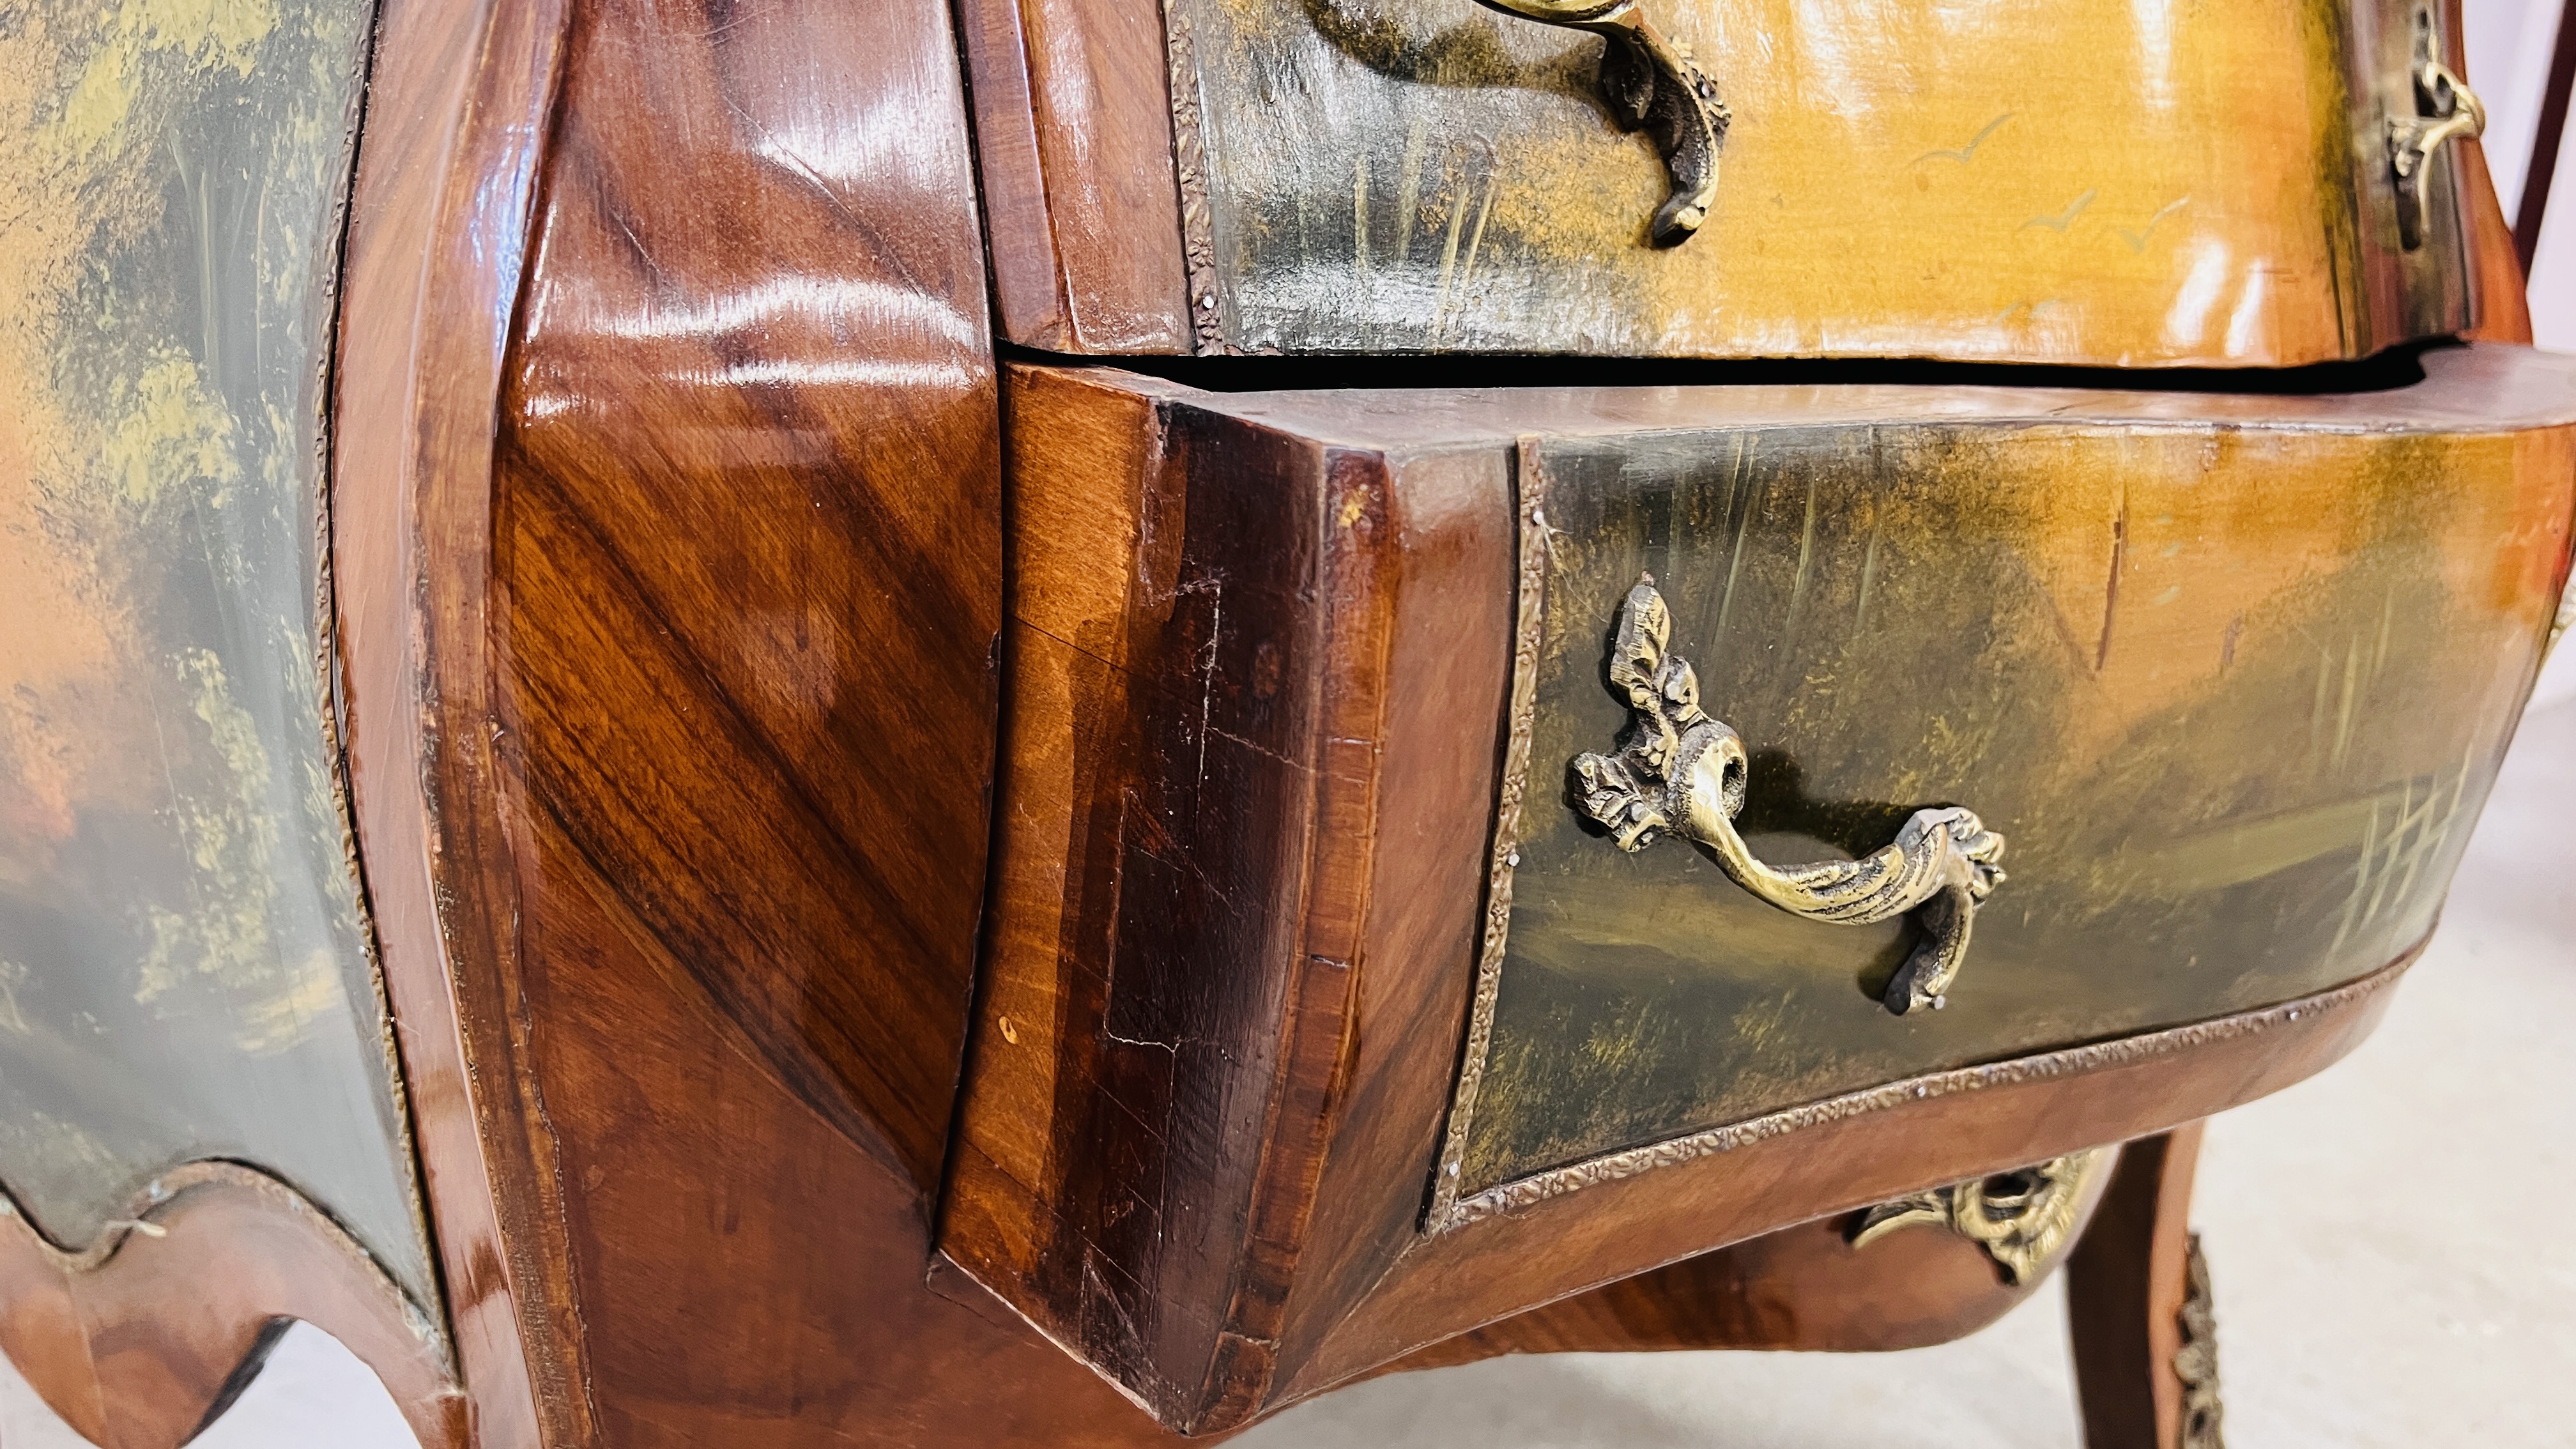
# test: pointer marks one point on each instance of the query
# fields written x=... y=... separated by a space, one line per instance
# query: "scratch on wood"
x=1408 y=185
x=1868 y=577
x=2111 y=589
x=1476 y=238
x=2387 y=615
x=1449 y=261
x=1207 y=671
x=1743 y=518
x=1806 y=561
x=2343 y=714
x=2361 y=878
x=2317 y=711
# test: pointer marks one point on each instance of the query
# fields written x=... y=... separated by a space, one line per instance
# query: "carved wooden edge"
x=460 y=100
x=139 y=1339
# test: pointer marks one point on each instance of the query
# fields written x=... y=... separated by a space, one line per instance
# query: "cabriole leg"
x=2146 y=1352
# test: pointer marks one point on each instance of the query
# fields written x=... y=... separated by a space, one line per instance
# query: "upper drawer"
x=2061 y=181
x=1323 y=1012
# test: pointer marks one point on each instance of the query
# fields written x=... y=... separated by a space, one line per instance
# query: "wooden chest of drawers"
x=548 y=588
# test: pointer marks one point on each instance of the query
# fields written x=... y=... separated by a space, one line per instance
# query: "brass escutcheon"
x=1680 y=770
x=1650 y=82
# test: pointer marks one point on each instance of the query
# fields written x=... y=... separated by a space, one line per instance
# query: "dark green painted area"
x=184 y=970
x=2234 y=695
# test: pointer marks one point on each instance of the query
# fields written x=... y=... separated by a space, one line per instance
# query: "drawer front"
x=2064 y=181
x=2232 y=698
x=1321 y=1015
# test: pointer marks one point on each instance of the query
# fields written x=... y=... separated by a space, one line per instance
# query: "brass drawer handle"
x=1678 y=769
x=1650 y=81
x=2444 y=108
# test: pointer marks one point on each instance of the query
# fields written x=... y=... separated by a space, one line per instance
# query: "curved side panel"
x=458 y=107
x=139 y=1340
x=669 y=579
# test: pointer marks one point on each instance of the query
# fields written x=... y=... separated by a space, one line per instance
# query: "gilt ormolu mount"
x=2021 y=1218
x=1680 y=770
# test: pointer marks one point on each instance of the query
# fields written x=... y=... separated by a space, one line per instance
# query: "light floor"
x=2391 y=1246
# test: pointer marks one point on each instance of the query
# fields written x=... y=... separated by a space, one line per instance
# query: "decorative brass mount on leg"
x=1680 y=770
x=2021 y=1218
x=1650 y=81
x=2196 y=1362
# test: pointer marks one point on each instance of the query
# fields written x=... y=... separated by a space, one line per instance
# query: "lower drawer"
x=1429 y=814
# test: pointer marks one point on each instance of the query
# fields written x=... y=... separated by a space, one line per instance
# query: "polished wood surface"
x=1073 y=144
x=145 y=1336
x=438 y=229
x=1199 y=846
x=1419 y=177
x=1245 y=808
x=2124 y=1295
x=670 y=643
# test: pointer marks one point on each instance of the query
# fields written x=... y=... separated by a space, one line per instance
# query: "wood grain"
x=439 y=221
x=2124 y=1295
x=670 y=539
x=2496 y=264
x=142 y=1338
x=1179 y=990
x=670 y=655
x=1074 y=147
x=1212 y=595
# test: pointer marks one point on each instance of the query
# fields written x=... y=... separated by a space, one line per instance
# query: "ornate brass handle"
x=1650 y=81
x=2444 y=108
x=1680 y=770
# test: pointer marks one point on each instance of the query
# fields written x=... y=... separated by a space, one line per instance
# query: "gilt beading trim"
x=1524 y=1193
